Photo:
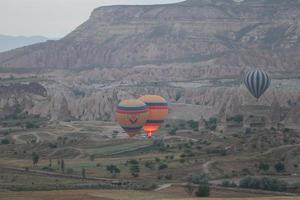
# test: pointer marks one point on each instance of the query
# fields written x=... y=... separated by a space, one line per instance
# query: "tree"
x=163 y=166
x=202 y=182
x=62 y=165
x=203 y=190
x=264 y=183
x=160 y=144
x=134 y=170
x=193 y=124
x=211 y=123
x=5 y=141
x=92 y=157
x=250 y=182
x=113 y=169
x=83 y=173
x=133 y=162
x=173 y=131
x=50 y=163
x=263 y=166
x=279 y=167
x=35 y=158
x=150 y=164
x=198 y=179
x=30 y=125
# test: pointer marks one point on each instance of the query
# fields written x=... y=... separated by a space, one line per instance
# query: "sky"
x=52 y=18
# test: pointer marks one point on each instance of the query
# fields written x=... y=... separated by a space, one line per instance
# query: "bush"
x=236 y=118
x=113 y=169
x=52 y=146
x=273 y=184
x=70 y=171
x=248 y=130
x=134 y=170
x=173 y=131
x=159 y=177
x=263 y=166
x=30 y=125
x=198 y=179
x=150 y=164
x=203 y=190
x=265 y=183
x=5 y=141
x=168 y=177
x=163 y=166
x=160 y=144
x=279 y=167
x=133 y=162
x=92 y=157
x=193 y=124
x=211 y=123
x=250 y=182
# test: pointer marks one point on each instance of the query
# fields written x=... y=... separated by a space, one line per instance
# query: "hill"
x=121 y=36
x=12 y=42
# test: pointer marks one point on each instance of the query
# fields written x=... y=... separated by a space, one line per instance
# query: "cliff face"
x=20 y=97
x=122 y=36
x=192 y=53
x=93 y=95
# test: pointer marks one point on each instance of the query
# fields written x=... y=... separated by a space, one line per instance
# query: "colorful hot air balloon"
x=132 y=115
x=158 y=111
x=257 y=82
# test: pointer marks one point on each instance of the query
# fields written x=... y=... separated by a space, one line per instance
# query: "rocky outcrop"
x=20 y=97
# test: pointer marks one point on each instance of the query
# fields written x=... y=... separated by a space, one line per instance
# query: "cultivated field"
x=114 y=195
x=163 y=160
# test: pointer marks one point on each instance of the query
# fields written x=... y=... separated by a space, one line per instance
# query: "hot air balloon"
x=257 y=82
x=158 y=111
x=132 y=115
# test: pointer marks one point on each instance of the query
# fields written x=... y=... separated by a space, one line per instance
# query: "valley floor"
x=118 y=195
x=93 y=146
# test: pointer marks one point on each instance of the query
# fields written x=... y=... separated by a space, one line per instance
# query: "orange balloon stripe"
x=157 y=115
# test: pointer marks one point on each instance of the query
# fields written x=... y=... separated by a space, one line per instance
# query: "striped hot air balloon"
x=132 y=115
x=257 y=82
x=158 y=111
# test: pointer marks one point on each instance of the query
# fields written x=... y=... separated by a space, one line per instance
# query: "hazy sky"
x=52 y=18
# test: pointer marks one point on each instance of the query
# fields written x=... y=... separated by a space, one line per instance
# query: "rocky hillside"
x=194 y=30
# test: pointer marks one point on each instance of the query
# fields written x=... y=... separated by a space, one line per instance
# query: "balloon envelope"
x=257 y=82
x=132 y=115
x=158 y=111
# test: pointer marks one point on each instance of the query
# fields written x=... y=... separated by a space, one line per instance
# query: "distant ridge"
x=11 y=42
